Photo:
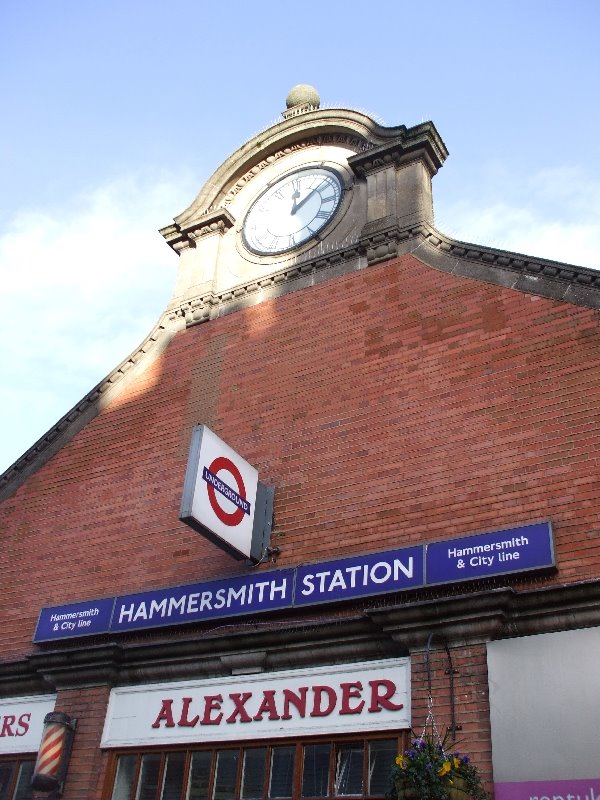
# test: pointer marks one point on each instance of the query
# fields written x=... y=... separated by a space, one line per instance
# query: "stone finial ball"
x=303 y=95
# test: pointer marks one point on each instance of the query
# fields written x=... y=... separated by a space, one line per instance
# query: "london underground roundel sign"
x=219 y=493
x=214 y=484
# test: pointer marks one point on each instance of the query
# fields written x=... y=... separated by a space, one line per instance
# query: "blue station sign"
x=359 y=576
x=483 y=555
x=486 y=554
x=76 y=619
x=247 y=594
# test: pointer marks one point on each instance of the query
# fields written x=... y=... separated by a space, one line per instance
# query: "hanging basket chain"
x=430 y=719
x=431 y=723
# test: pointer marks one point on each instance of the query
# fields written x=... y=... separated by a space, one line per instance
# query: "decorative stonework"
x=296 y=110
x=210 y=305
x=546 y=278
x=301 y=99
x=422 y=142
x=217 y=221
x=337 y=139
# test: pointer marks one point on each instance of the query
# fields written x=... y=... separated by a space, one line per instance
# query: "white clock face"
x=292 y=210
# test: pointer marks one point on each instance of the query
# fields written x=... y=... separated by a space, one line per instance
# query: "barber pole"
x=53 y=755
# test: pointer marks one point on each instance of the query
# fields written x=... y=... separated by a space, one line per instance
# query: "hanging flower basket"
x=427 y=772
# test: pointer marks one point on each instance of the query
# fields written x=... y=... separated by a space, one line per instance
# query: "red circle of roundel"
x=234 y=517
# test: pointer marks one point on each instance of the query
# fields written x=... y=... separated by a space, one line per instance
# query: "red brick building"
x=413 y=401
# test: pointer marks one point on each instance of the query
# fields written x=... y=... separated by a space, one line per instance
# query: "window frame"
x=400 y=736
x=17 y=759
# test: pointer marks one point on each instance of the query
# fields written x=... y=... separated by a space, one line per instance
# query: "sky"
x=114 y=113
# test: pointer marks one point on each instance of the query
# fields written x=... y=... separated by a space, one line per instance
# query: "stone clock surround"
x=387 y=212
x=387 y=175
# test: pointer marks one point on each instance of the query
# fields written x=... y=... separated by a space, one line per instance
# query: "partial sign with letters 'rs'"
x=223 y=498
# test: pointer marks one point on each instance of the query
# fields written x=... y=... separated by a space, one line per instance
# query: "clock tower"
x=322 y=192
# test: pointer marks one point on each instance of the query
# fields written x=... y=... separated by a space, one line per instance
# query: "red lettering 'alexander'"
x=274 y=704
x=212 y=702
x=350 y=691
x=184 y=721
x=323 y=708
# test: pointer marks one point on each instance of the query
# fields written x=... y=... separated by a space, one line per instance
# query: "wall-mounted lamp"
x=53 y=756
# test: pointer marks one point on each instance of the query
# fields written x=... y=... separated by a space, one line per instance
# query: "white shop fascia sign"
x=22 y=722
x=358 y=697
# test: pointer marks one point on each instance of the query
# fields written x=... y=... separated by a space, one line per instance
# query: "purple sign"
x=77 y=619
x=483 y=555
x=359 y=576
x=247 y=594
x=577 y=789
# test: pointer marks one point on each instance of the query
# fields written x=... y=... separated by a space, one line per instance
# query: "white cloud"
x=81 y=286
x=553 y=214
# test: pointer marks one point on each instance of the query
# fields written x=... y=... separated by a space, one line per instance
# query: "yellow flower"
x=456 y=762
x=401 y=761
x=444 y=768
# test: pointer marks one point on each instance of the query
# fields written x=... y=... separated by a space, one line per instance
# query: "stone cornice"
x=494 y=614
x=422 y=142
x=297 y=276
x=398 y=626
x=217 y=221
x=543 y=277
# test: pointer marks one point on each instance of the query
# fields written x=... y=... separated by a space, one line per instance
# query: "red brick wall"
x=389 y=406
x=87 y=765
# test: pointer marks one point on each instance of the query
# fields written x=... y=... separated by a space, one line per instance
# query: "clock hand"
x=295 y=196
x=296 y=206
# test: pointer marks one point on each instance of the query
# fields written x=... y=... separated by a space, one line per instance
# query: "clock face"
x=292 y=210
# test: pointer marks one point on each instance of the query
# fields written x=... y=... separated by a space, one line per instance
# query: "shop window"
x=15 y=779
x=309 y=770
x=281 y=774
x=315 y=770
x=349 y=769
x=199 y=776
x=253 y=774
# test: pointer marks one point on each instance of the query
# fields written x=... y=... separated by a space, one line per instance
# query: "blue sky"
x=115 y=112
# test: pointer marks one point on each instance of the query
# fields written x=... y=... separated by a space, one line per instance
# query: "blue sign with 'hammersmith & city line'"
x=487 y=554
x=482 y=555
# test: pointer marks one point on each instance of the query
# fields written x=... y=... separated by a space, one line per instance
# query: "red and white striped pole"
x=53 y=756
